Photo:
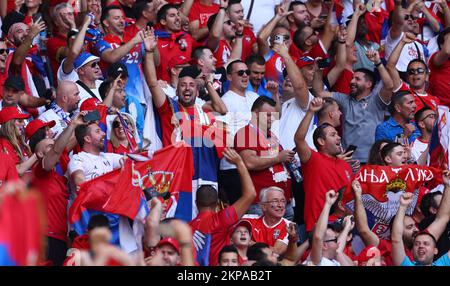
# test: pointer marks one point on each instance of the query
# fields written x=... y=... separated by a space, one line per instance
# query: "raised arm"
x=236 y=51
x=341 y=57
x=343 y=258
x=302 y=148
x=446 y=11
x=398 y=248
x=437 y=227
x=158 y=95
x=420 y=5
x=216 y=103
x=359 y=11
x=298 y=82
x=443 y=55
x=248 y=189
x=151 y=235
x=186 y=6
x=321 y=227
x=77 y=46
x=395 y=56
x=114 y=55
x=21 y=52
x=52 y=157
x=318 y=85
x=215 y=34
x=398 y=20
x=362 y=225
x=264 y=34
x=388 y=86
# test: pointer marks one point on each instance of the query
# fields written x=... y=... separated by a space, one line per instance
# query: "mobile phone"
x=36 y=16
x=351 y=148
x=323 y=63
x=92 y=116
x=279 y=39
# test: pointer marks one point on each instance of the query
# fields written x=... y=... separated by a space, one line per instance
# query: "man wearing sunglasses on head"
x=417 y=75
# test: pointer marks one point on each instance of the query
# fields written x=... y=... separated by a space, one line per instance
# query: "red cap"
x=89 y=104
x=35 y=125
x=177 y=61
x=244 y=223
x=10 y=113
x=170 y=241
x=304 y=61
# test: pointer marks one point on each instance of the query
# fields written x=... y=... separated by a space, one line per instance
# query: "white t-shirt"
x=92 y=165
x=291 y=116
x=84 y=94
x=324 y=262
x=239 y=115
x=61 y=75
x=408 y=54
x=418 y=147
x=60 y=125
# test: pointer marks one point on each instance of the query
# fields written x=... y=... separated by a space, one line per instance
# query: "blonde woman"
x=118 y=142
x=12 y=140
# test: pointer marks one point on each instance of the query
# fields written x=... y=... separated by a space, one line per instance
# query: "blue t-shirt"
x=390 y=129
x=444 y=260
x=132 y=61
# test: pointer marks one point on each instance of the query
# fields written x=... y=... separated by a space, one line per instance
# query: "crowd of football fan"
x=306 y=94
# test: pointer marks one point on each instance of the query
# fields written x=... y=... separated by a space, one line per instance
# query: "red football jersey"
x=261 y=232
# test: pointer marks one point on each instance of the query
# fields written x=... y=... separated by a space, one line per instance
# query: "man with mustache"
x=402 y=109
x=364 y=108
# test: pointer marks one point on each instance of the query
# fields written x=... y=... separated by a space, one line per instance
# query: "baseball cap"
x=117 y=69
x=177 y=61
x=35 y=125
x=89 y=104
x=304 y=61
x=246 y=224
x=83 y=59
x=11 y=112
x=15 y=82
x=170 y=241
x=191 y=71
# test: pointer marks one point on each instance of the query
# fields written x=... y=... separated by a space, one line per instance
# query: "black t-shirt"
x=443 y=243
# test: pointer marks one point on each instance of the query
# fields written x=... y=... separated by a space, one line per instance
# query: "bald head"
x=67 y=96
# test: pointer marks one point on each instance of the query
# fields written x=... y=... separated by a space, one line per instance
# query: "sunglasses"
x=3 y=51
x=431 y=115
x=94 y=64
x=330 y=240
x=116 y=124
x=416 y=71
x=241 y=72
x=413 y=18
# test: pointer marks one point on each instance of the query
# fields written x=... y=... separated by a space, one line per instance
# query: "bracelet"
x=150 y=51
x=378 y=64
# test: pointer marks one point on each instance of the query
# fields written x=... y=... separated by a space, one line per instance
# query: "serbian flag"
x=440 y=139
x=119 y=193
x=382 y=187
x=128 y=133
x=22 y=226
x=338 y=8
